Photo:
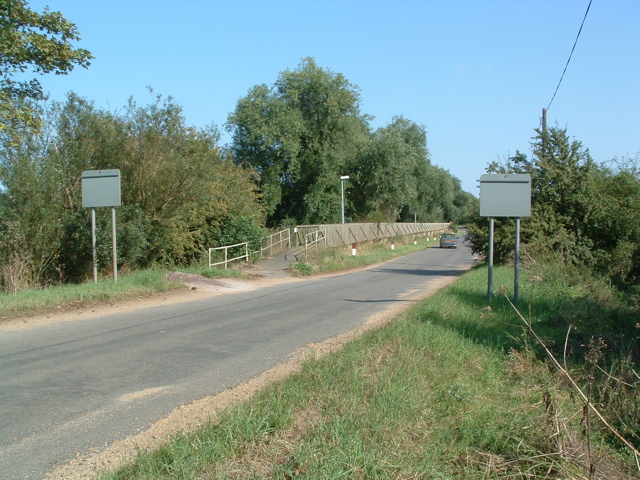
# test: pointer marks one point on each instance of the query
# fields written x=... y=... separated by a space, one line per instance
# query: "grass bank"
x=136 y=284
x=144 y=283
x=327 y=260
x=450 y=389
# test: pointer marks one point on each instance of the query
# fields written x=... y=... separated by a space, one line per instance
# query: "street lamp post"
x=342 y=179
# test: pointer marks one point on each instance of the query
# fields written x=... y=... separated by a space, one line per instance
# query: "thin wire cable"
x=569 y=59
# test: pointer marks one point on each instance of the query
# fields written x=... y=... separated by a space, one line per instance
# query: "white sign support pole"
x=517 y=261
x=93 y=245
x=115 y=252
x=490 y=280
x=101 y=188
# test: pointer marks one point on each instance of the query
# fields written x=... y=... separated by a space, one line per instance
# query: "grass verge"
x=139 y=283
x=143 y=283
x=327 y=260
x=450 y=389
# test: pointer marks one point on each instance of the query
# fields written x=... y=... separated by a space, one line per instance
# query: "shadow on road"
x=424 y=272
x=389 y=300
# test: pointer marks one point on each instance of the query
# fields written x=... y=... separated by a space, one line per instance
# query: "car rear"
x=448 y=240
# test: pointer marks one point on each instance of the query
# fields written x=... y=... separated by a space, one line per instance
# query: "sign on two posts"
x=101 y=188
x=505 y=195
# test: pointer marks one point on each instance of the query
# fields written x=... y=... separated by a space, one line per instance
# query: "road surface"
x=74 y=387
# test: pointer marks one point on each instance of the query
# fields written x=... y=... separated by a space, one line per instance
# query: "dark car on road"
x=449 y=240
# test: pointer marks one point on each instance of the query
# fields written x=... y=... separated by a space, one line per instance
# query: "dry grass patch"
x=259 y=459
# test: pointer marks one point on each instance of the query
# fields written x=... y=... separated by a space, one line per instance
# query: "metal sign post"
x=505 y=195
x=516 y=275
x=101 y=188
x=490 y=279
x=94 y=250
x=114 y=251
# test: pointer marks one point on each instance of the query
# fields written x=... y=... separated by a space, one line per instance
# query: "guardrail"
x=284 y=241
x=314 y=238
x=335 y=235
x=338 y=235
x=226 y=253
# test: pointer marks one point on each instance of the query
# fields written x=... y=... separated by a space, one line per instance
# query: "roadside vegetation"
x=452 y=388
x=583 y=212
x=149 y=282
x=136 y=284
x=327 y=260
x=182 y=192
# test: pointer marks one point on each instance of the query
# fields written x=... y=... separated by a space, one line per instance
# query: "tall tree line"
x=306 y=131
x=182 y=192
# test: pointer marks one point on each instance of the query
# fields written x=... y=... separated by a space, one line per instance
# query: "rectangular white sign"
x=101 y=188
x=505 y=195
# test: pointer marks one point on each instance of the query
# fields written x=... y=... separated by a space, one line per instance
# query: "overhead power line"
x=569 y=59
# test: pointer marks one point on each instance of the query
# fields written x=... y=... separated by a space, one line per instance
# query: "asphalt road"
x=75 y=387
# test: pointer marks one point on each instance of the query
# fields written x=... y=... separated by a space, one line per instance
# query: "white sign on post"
x=505 y=195
x=101 y=188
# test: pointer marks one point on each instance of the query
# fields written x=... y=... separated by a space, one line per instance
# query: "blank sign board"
x=505 y=195
x=101 y=188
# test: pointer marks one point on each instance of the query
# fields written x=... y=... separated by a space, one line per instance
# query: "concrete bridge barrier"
x=337 y=235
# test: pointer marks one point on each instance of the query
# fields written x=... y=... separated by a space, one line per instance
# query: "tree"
x=582 y=213
x=613 y=220
x=30 y=212
x=305 y=132
x=300 y=135
x=39 y=43
x=179 y=194
x=177 y=190
x=559 y=169
x=387 y=174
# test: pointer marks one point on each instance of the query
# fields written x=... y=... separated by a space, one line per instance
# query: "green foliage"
x=302 y=268
x=299 y=135
x=240 y=229
x=60 y=297
x=178 y=192
x=386 y=174
x=305 y=132
x=583 y=213
x=613 y=221
x=442 y=198
x=32 y=42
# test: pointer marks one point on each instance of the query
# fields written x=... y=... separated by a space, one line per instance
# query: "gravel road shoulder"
x=191 y=416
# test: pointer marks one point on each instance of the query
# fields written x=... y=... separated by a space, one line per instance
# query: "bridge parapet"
x=337 y=235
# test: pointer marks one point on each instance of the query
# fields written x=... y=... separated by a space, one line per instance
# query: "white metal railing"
x=284 y=240
x=314 y=238
x=226 y=254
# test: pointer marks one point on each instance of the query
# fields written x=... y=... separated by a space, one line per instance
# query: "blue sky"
x=475 y=74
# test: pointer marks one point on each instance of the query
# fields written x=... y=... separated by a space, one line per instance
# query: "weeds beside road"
x=146 y=283
x=453 y=388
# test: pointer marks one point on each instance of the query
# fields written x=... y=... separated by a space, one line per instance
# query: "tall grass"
x=450 y=389
x=139 y=283
x=135 y=284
